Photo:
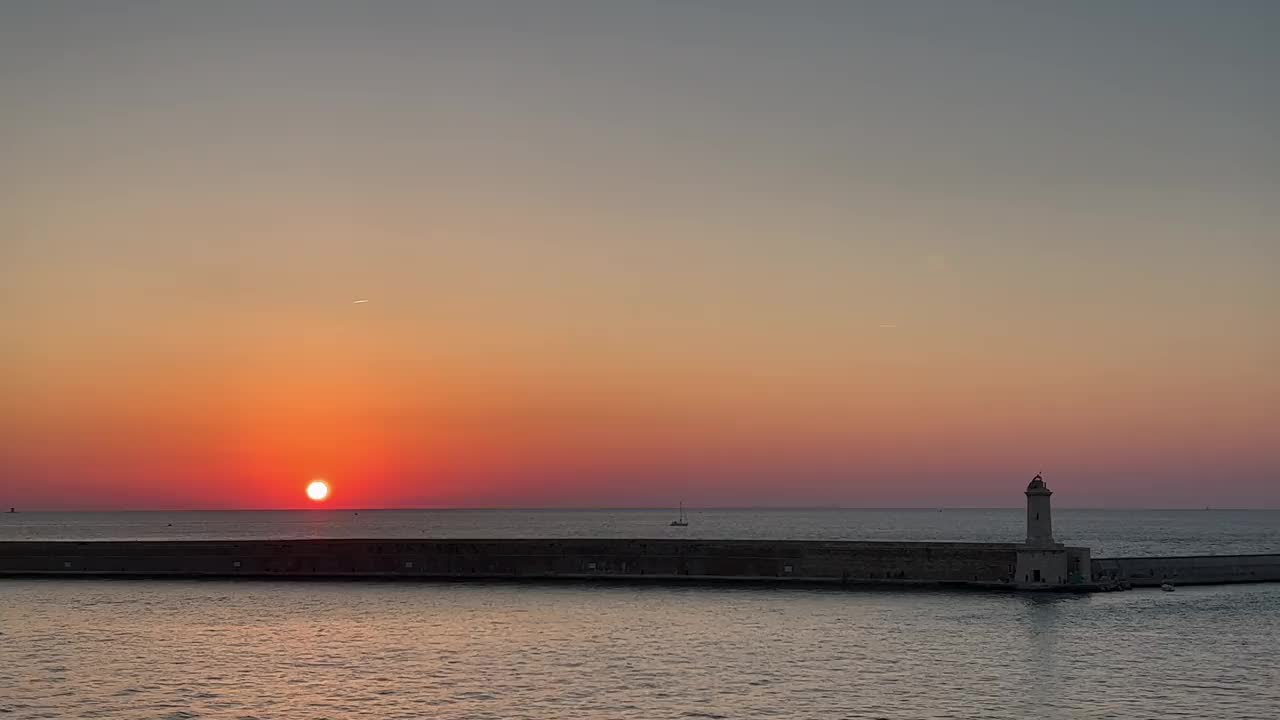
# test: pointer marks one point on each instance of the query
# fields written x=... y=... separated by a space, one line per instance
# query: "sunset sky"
x=627 y=253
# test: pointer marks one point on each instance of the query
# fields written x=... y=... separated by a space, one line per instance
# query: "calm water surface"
x=306 y=650
x=1110 y=533
x=224 y=649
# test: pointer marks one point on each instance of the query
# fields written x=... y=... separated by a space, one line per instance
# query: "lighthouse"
x=1044 y=564
x=1039 y=519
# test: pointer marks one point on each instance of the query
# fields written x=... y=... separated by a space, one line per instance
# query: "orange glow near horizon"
x=318 y=490
x=236 y=256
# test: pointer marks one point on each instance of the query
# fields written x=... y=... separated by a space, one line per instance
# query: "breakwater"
x=1040 y=563
x=1188 y=569
x=976 y=565
x=988 y=565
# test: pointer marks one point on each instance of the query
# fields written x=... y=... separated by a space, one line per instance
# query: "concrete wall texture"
x=1041 y=565
x=1189 y=569
x=982 y=564
x=991 y=565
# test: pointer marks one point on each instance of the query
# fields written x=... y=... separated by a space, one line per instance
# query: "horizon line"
x=638 y=508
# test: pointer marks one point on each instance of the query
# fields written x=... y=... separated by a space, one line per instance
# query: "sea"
x=184 y=649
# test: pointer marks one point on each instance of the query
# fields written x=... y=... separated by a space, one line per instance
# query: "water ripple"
x=203 y=650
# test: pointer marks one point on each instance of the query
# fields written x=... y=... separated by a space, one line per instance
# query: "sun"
x=318 y=490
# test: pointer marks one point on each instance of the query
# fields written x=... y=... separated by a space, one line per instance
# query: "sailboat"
x=682 y=521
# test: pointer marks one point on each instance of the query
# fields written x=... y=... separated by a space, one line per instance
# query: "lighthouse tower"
x=1039 y=520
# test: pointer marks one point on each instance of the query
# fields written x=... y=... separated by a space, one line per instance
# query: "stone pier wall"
x=977 y=564
x=1188 y=569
